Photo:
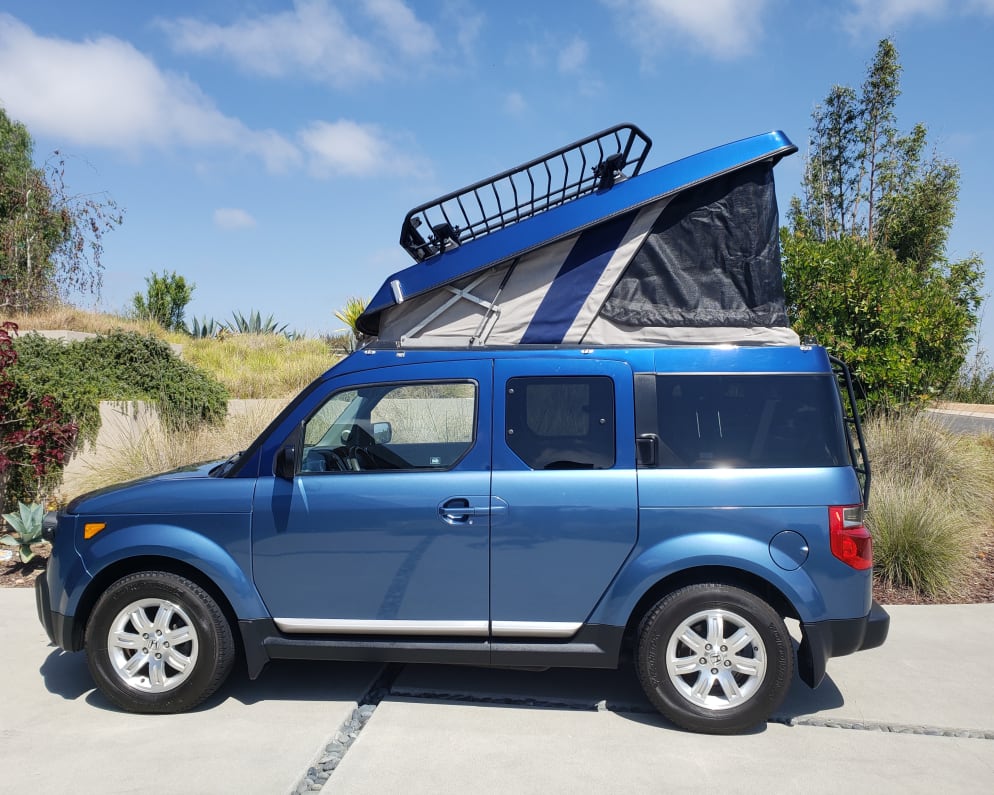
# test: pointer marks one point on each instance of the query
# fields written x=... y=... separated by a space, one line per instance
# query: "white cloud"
x=882 y=16
x=573 y=57
x=723 y=29
x=402 y=28
x=515 y=104
x=347 y=148
x=313 y=38
x=104 y=92
x=233 y=218
x=467 y=24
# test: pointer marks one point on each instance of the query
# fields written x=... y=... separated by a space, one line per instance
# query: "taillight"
x=850 y=540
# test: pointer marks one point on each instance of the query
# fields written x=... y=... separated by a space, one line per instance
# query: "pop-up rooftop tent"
x=579 y=248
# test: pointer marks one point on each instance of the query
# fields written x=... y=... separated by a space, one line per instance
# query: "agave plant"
x=26 y=524
x=254 y=324
x=349 y=314
x=204 y=329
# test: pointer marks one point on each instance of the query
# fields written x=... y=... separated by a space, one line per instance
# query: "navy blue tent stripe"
x=575 y=280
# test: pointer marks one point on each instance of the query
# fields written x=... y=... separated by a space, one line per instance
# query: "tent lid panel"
x=575 y=216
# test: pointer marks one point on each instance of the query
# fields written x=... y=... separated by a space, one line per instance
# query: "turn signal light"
x=90 y=529
x=850 y=540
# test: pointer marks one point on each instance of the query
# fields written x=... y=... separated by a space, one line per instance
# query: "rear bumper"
x=825 y=639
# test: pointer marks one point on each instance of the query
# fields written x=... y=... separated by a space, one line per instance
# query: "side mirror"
x=286 y=462
x=382 y=432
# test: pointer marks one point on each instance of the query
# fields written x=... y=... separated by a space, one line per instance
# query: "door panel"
x=566 y=531
x=340 y=550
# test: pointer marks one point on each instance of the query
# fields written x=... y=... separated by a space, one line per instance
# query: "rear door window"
x=562 y=422
x=708 y=421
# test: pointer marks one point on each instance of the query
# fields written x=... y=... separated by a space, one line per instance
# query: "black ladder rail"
x=850 y=415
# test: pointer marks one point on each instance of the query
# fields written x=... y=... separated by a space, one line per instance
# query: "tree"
x=165 y=300
x=864 y=255
x=51 y=241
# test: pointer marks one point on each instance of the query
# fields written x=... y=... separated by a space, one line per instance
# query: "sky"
x=268 y=151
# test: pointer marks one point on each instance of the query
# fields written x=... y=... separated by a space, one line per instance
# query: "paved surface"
x=58 y=735
x=452 y=730
x=968 y=418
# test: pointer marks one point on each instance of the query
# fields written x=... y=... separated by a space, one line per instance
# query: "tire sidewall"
x=660 y=624
x=214 y=657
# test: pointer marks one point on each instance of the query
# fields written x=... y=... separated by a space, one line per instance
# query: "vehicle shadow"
x=617 y=691
x=66 y=674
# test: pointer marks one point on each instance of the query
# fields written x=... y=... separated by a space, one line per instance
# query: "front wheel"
x=158 y=642
x=714 y=658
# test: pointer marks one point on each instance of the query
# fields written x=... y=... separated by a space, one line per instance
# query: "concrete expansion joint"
x=894 y=728
x=320 y=771
x=522 y=701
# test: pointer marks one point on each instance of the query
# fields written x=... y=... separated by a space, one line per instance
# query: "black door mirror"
x=286 y=462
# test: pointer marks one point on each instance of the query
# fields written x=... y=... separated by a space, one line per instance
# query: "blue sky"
x=268 y=151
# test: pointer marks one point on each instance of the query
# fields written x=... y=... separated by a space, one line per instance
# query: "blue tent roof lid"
x=602 y=188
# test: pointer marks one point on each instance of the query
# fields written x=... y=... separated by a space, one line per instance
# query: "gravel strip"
x=319 y=773
x=895 y=728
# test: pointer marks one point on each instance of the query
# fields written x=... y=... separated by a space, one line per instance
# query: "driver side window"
x=410 y=426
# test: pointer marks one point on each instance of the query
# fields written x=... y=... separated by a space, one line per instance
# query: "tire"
x=157 y=642
x=701 y=683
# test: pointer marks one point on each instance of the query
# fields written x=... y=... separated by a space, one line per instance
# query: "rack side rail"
x=592 y=163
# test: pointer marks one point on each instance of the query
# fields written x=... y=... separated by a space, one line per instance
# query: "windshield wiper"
x=225 y=466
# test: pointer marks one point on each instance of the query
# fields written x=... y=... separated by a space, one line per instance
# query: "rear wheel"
x=157 y=642
x=714 y=658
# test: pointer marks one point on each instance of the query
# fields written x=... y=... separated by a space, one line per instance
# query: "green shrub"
x=118 y=366
x=918 y=541
x=165 y=300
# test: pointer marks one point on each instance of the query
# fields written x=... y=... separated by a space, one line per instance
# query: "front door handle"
x=458 y=510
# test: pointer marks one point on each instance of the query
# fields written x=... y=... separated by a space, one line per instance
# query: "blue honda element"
x=580 y=431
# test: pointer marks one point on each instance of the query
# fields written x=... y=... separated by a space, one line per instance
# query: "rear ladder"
x=850 y=414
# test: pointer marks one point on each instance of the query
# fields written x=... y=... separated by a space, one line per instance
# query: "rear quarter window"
x=778 y=420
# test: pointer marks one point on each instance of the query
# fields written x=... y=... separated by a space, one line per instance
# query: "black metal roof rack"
x=592 y=163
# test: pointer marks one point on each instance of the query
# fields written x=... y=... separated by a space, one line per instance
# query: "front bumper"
x=825 y=639
x=58 y=628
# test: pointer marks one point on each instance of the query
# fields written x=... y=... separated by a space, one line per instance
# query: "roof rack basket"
x=590 y=164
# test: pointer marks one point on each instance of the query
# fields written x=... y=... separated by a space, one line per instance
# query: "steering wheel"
x=362 y=459
x=337 y=460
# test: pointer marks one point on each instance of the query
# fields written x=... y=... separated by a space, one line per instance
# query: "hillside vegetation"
x=248 y=365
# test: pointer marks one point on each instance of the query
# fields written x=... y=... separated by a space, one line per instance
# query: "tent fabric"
x=711 y=260
x=700 y=266
x=605 y=332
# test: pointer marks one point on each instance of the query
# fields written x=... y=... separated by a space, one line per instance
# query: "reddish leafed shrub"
x=35 y=440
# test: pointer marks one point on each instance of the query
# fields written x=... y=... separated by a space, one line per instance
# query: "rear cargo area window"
x=707 y=421
x=561 y=422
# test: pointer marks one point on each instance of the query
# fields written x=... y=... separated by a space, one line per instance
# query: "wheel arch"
x=722 y=575
x=132 y=565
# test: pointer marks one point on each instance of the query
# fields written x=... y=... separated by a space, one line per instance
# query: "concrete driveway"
x=912 y=716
